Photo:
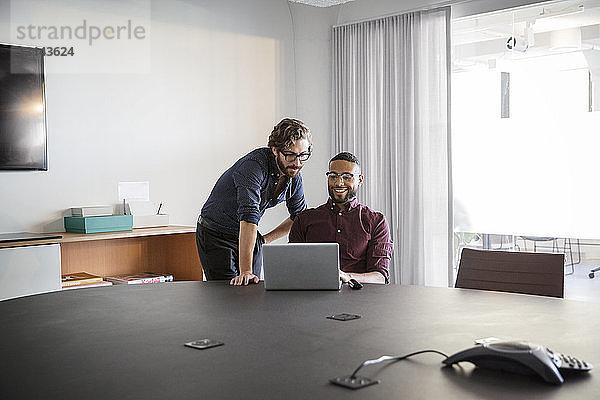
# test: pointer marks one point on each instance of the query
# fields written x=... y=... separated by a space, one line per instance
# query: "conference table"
x=127 y=342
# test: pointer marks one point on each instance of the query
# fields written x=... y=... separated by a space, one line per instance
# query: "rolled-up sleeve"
x=380 y=248
x=296 y=203
x=248 y=178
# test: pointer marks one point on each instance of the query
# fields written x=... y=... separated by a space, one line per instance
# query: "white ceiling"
x=321 y=3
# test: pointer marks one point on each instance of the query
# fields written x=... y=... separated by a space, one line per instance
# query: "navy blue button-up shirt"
x=246 y=190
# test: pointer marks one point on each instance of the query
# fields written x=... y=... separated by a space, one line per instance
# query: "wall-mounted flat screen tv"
x=23 y=139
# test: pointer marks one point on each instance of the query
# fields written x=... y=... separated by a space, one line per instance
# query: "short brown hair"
x=288 y=131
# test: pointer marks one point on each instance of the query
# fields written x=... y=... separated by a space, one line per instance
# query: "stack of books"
x=80 y=280
x=140 y=278
x=92 y=211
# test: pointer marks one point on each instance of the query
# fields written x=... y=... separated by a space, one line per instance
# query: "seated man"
x=362 y=234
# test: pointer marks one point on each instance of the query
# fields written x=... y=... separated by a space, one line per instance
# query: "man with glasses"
x=362 y=234
x=228 y=241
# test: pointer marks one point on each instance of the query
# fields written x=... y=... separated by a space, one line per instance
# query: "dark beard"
x=350 y=195
x=290 y=172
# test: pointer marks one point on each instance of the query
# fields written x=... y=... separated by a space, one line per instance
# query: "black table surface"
x=126 y=342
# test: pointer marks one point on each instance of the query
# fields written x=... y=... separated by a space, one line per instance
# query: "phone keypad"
x=567 y=362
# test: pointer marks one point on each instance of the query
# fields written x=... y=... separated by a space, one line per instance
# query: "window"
x=525 y=121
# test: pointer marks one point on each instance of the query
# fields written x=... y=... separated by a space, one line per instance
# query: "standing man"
x=363 y=234
x=229 y=244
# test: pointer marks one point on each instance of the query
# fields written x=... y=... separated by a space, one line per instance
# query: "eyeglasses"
x=291 y=156
x=346 y=176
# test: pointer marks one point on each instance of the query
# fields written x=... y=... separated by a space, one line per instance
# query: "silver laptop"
x=301 y=266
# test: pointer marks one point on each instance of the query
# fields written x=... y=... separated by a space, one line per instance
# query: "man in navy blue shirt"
x=228 y=241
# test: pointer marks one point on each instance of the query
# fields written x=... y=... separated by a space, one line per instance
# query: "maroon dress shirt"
x=363 y=235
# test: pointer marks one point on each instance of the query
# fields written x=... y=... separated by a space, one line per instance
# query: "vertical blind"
x=391 y=109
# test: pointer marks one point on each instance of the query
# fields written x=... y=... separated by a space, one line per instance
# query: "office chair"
x=517 y=272
x=536 y=239
x=567 y=248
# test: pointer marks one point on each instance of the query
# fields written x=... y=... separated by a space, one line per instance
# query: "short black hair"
x=345 y=156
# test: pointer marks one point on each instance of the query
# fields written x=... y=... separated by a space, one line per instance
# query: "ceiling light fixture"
x=321 y=3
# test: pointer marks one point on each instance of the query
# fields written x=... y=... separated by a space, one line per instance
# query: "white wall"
x=214 y=77
x=311 y=59
x=219 y=76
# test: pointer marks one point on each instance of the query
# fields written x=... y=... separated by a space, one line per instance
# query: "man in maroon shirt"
x=362 y=234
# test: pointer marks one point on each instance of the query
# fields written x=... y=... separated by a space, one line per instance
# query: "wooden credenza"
x=168 y=249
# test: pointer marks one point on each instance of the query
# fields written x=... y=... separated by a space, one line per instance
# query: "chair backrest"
x=516 y=272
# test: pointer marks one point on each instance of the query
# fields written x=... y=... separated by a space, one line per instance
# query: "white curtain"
x=391 y=109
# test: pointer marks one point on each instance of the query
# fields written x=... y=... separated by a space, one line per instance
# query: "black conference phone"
x=521 y=357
